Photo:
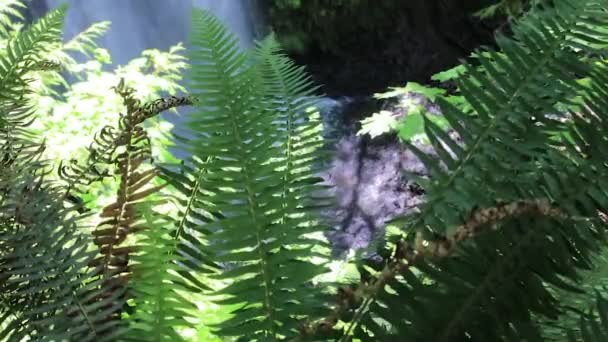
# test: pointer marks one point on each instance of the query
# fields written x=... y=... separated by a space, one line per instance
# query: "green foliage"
x=64 y=297
x=9 y=9
x=590 y=329
x=77 y=112
x=410 y=124
x=44 y=254
x=378 y=124
x=159 y=293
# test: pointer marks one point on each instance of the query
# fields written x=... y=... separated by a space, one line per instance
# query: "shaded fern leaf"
x=45 y=280
x=495 y=281
x=593 y=326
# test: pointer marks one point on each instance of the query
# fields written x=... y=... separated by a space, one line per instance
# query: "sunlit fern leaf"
x=24 y=49
x=161 y=306
x=489 y=288
x=242 y=182
x=84 y=42
x=9 y=10
x=289 y=98
x=23 y=52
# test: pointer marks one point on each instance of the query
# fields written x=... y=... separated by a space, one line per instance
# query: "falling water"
x=145 y=24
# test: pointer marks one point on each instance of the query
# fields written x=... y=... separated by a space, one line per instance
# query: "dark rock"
x=362 y=47
x=372 y=180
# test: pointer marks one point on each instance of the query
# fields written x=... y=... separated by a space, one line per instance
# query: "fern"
x=158 y=291
x=488 y=257
x=485 y=284
x=247 y=182
x=83 y=42
x=9 y=9
x=24 y=50
x=594 y=326
x=46 y=285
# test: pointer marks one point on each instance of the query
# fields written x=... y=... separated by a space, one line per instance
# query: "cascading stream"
x=147 y=24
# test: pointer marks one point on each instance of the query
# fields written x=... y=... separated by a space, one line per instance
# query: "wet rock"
x=370 y=187
x=372 y=180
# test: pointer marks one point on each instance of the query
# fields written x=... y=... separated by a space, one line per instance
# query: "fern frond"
x=10 y=9
x=25 y=49
x=44 y=279
x=157 y=289
x=84 y=41
x=290 y=97
x=246 y=185
x=130 y=150
x=100 y=159
x=594 y=326
x=575 y=304
x=489 y=287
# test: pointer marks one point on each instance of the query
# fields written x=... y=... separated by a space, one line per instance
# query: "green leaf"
x=411 y=125
x=378 y=124
x=449 y=74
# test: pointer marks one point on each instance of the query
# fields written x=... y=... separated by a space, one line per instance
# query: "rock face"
x=371 y=180
x=370 y=188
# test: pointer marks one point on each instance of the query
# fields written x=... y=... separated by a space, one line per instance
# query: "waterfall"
x=145 y=24
x=242 y=17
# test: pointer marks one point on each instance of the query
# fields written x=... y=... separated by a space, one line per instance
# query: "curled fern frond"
x=101 y=152
x=130 y=151
x=46 y=66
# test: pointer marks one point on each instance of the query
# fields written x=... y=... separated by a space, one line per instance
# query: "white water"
x=240 y=16
x=145 y=24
